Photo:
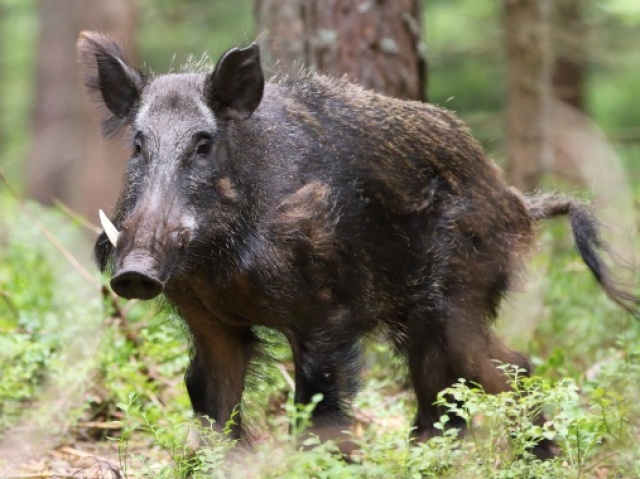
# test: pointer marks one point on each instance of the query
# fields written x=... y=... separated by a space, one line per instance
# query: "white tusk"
x=109 y=229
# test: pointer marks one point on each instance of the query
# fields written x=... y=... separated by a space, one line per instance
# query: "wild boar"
x=324 y=211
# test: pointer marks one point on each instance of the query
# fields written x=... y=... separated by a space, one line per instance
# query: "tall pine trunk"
x=569 y=35
x=570 y=59
x=528 y=65
x=69 y=161
x=376 y=44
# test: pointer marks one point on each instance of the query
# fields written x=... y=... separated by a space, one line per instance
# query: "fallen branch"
x=104 y=425
x=77 y=217
x=287 y=377
x=47 y=234
x=122 y=316
x=9 y=302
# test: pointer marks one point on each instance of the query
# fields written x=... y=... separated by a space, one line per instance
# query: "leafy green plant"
x=38 y=318
x=506 y=432
x=175 y=443
x=138 y=354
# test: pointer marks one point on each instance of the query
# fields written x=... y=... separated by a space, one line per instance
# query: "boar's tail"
x=586 y=234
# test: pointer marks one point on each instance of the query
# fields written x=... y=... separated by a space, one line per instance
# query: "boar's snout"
x=132 y=284
x=138 y=275
x=150 y=247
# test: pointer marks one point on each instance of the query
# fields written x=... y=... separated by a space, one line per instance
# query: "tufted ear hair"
x=234 y=88
x=114 y=84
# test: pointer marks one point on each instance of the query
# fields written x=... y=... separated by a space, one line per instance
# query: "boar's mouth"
x=144 y=257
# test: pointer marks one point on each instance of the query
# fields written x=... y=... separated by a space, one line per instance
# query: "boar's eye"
x=204 y=144
x=137 y=145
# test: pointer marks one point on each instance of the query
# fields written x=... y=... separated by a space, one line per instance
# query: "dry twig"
x=106 y=425
x=47 y=234
x=77 y=217
x=287 y=377
x=9 y=302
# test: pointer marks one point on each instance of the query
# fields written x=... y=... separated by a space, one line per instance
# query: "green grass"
x=60 y=338
x=67 y=359
x=49 y=316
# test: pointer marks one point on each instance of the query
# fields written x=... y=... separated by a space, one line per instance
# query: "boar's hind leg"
x=216 y=376
x=440 y=351
x=328 y=366
x=545 y=449
x=476 y=358
x=427 y=359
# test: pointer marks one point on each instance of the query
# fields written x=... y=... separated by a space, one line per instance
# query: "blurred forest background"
x=501 y=65
x=550 y=88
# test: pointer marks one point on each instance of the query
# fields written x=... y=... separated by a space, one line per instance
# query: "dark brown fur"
x=324 y=211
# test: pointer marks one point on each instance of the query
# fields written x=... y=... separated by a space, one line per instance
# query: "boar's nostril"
x=136 y=285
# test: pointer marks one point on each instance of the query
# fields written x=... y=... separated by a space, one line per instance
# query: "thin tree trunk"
x=568 y=82
x=56 y=147
x=569 y=35
x=104 y=165
x=528 y=89
x=377 y=44
x=282 y=22
x=68 y=159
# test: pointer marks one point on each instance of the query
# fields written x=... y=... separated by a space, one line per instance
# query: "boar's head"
x=178 y=200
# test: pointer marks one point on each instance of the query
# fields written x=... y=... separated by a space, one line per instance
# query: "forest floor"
x=87 y=459
x=92 y=386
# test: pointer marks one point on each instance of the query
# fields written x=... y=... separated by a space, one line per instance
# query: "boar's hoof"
x=136 y=285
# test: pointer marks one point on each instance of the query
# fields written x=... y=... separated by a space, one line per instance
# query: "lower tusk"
x=108 y=227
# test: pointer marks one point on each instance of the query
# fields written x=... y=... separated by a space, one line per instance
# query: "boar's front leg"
x=216 y=376
x=327 y=361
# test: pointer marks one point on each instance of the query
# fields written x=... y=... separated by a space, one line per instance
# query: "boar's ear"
x=234 y=88
x=110 y=80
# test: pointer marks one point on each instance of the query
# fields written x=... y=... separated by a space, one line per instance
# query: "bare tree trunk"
x=568 y=81
x=528 y=89
x=375 y=43
x=68 y=160
x=569 y=38
x=282 y=21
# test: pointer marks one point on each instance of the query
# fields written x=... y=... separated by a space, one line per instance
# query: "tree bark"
x=374 y=43
x=282 y=21
x=569 y=35
x=569 y=38
x=69 y=161
x=528 y=73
